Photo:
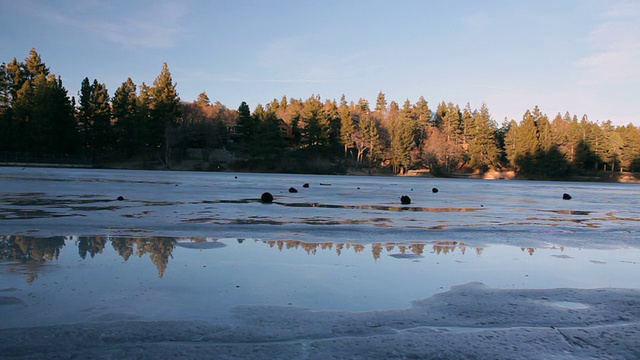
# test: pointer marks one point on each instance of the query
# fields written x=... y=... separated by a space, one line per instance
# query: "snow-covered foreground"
x=470 y=321
x=192 y=265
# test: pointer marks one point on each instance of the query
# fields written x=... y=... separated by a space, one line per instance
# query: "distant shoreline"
x=615 y=177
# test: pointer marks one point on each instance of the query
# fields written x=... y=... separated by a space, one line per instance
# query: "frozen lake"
x=187 y=246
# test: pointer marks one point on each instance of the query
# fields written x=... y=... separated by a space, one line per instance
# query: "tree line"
x=150 y=124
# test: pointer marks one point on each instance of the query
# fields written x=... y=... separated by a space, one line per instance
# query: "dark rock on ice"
x=266 y=198
x=305 y=185
x=566 y=196
x=405 y=200
x=434 y=190
x=293 y=190
x=120 y=198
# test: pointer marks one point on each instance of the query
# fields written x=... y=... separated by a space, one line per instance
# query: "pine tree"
x=94 y=118
x=381 y=102
x=6 y=117
x=246 y=126
x=363 y=105
x=613 y=145
x=545 y=135
x=5 y=89
x=402 y=133
x=102 y=130
x=315 y=124
x=528 y=144
x=511 y=148
x=359 y=137
x=84 y=113
x=16 y=76
x=42 y=114
x=34 y=66
x=422 y=115
x=575 y=137
x=273 y=106
x=441 y=111
x=483 y=148
x=630 y=151
x=347 y=126
x=53 y=113
x=333 y=122
x=127 y=121
x=560 y=133
x=165 y=112
x=269 y=143
x=203 y=100
x=144 y=110
x=468 y=124
x=589 y=145
x=370 y=138
x=452 y=123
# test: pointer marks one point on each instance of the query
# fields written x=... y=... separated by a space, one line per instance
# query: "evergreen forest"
x=149 y=126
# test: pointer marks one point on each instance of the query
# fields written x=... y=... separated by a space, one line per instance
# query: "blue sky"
x=581 y=56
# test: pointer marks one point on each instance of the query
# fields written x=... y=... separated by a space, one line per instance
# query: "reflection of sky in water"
x=206 y=283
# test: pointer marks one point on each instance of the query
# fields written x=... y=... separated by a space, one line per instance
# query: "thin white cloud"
x=490 y=87
x=302 y=59
x=615 y=47
x=478 y=21
x=156 y=26
x=281 y=52
x=280 y=81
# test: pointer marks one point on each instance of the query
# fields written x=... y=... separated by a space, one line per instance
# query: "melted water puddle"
x=155 y=277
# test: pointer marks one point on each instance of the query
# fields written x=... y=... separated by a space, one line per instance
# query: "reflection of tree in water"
x=357 y=247
x=91 y=245
x=530 y=250
x=32 y=252
x=310 y=248
x=123 y=246
x=445 y=247
x=160 y=249
x=377 y=249
x=35 y=251
x=417 y=249
x=27 y=248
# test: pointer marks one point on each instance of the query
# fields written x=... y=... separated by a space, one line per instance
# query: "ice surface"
x=192 y=264
x=53 y=202
x=469 y=321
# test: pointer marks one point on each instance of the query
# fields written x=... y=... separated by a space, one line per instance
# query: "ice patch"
x=200 y=245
